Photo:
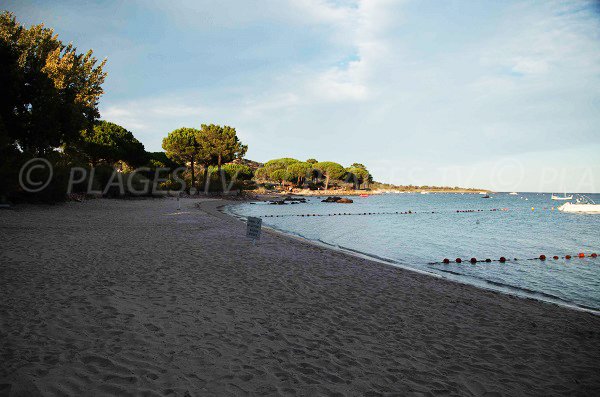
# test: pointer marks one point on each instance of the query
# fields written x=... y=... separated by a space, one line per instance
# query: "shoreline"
x=479 y=284
x=135 y=297
x=352 y=193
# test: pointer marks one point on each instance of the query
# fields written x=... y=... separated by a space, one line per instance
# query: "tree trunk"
x=220 y=176
x=192 y=168
x=206 y=180
x=326 y=182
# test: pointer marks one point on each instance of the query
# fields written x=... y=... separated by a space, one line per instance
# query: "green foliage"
x=212 y=145
x=49 y=91
x=279 y=175
x=48 y=94
x=357 y=175
x=261 y=174
x=109 y=143
x=291 y=170
x=280 y=170
x=299 y=172
x=236 y=176
x=280 y=163
x=331 y=171
x=160 y=159
x=232 y=171
x=220 y=144
x=181 y=146
x=238 y=171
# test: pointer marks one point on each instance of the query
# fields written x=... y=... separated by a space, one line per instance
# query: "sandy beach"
x=132 y=297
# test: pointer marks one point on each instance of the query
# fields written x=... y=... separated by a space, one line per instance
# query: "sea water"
x=519 y=228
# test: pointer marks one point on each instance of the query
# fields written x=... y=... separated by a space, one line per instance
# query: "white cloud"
x=524 y=88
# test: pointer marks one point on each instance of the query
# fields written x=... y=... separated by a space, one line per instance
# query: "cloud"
x=427 y=87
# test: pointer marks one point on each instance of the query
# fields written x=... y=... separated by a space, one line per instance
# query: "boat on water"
x=363 y=195
x=582 y=204
x=424 y=192
x=513 y=194
x=486 y=196
x=563 y=198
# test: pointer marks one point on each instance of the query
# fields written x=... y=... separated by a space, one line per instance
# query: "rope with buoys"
x=467 y=211
x=409 y=212
x=502 y=259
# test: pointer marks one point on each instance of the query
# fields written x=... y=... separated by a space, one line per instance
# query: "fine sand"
x=116 y=297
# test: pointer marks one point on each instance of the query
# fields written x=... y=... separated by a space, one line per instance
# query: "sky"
x=502 y=95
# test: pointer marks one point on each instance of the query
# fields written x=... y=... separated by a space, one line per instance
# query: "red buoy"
x=542 y=257
x=502 y=259
x=473 y=260
x=458 y=260
x=568 y=257
x=446 y=261
x=594 y=255
x=555 y=257
x=581 y=255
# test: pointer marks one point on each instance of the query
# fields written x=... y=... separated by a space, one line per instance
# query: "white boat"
x=483 y=193
x=563 y=198
x=424 y=192
x=583 y=204
x=513 y=194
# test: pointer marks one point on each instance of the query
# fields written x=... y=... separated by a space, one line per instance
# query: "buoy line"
x=468 y=211
x=410 y=212
x=503 y=259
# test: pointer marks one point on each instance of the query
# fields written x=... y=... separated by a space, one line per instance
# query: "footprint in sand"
x=152 y=327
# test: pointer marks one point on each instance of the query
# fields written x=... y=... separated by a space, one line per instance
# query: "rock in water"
x=345 y=201
x=331 y=199
x=278 y=202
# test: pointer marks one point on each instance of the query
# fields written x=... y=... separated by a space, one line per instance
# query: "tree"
x=261 y=174
x=50 y=92
x=205 y=157
x=279 y=175
x=298 y=172
x=276 y=169
x=331 y=170
x=160 y=159
x=280 y=163
x=312 y=161
x=359 y=175
x=239 y=172
x=109 y=143
x=181 y=146
x=220 y=144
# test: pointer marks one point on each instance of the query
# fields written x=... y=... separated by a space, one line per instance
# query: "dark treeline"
x=313 y=174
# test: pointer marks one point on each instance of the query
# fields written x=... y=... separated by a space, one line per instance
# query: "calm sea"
x=422 y=239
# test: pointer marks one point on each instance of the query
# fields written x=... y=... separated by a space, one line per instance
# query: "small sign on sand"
x=253 y=226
